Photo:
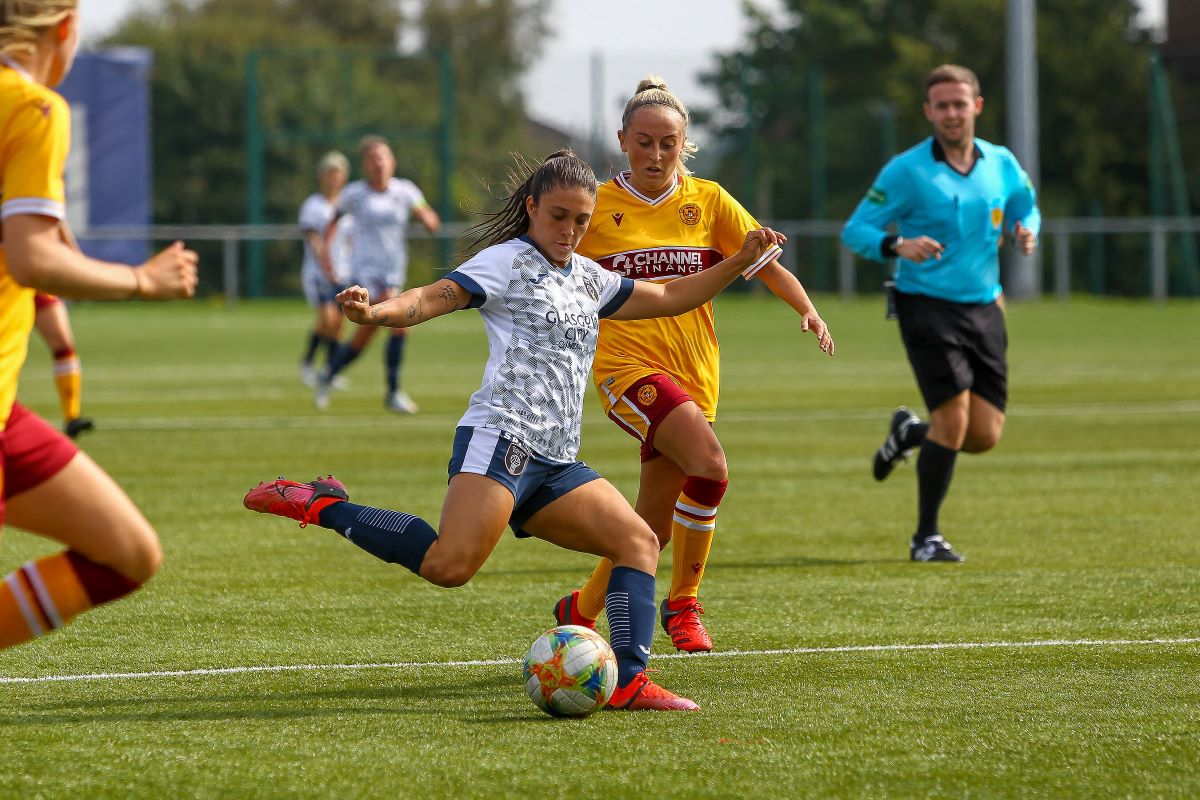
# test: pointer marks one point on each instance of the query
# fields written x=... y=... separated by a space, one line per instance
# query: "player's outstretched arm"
x=40 y=258
x=683 y=294
x=787 y=287
x=411 y=307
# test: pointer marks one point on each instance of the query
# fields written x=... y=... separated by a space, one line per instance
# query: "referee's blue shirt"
x=968 y=214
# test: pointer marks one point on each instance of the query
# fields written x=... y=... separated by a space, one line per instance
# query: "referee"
x=954 y=199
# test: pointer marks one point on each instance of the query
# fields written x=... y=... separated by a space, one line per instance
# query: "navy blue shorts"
x=534 y=482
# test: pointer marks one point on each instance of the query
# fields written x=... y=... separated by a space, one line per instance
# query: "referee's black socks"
x=935 y=468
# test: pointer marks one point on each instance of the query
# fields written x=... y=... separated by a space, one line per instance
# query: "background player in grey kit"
x=381 y=205
x=322 y=278
x=954 y=198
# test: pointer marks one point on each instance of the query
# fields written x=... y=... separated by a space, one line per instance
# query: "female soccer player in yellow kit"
x=658 y=379
x=48 y=486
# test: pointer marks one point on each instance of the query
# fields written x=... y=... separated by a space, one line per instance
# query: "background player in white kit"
x=381 y=205
x=321 y=286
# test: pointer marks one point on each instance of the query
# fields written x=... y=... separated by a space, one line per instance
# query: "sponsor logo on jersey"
x=647 y=395
x=515 y=459
x=661 y=262
x=690 y=213
x=876 y=195
x=997 y=217
x=617 y=217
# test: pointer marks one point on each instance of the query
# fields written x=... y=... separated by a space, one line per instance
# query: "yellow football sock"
x=48 y=593
x=39 y=597
x=68 y=379
x=692 y=530
x=591 y=594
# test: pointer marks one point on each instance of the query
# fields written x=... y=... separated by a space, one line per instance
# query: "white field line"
x=438 y=421
x=493 y=662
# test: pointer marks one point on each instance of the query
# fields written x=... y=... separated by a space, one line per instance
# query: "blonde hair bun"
x=651 y=82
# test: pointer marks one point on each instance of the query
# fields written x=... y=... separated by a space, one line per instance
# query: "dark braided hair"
x=561 y=169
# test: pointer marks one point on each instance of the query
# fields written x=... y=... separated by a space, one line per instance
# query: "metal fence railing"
x=1057 y=239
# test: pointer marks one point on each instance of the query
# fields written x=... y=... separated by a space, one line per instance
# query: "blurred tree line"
x=826 y=92
x=327 y=73
x=810 y=106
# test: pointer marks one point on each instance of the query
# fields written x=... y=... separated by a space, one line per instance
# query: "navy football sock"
x=392 y=536
x=392 y=358
x=629 y=605
x=314 y=340
x=342 y=358
x=935 y=468
x=331 y=348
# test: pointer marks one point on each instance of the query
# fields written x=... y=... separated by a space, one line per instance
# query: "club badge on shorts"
x=515 y=459
x=647 y=395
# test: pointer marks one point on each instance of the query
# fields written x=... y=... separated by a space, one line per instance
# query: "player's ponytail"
x=22 y=21
x=652 y=91
x=561 y=169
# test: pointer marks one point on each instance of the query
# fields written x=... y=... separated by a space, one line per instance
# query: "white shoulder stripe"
x=33 y=205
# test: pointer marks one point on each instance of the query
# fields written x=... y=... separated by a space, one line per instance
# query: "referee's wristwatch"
x=891 y=245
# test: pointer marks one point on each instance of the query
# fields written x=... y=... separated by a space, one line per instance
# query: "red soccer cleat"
x=643 y=694
x=302 y=502
x=681 y=620
x=566 y=612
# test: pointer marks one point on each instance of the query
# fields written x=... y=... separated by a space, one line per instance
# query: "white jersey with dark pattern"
x=380 y=222
x=542 y=323
x=315 y=215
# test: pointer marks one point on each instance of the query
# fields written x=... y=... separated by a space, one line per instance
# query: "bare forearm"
x=402 y=311
x=56 y=268
x=784 y=285
x=414 y=306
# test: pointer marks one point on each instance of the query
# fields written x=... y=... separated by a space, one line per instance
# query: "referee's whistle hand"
x=920 y=248
x=1025 y=239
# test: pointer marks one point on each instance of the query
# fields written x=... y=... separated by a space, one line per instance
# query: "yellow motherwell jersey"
x=690 y=227
x=35 y=131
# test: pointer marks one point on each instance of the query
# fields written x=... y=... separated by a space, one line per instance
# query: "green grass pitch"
x=1080 y=527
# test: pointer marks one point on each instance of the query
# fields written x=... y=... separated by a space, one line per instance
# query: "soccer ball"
x=570 y=671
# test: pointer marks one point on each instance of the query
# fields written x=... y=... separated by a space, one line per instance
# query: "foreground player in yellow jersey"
x=658 y=378
x=48 y=486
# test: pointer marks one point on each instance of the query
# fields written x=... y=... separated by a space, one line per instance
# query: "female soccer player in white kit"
x=514 y=451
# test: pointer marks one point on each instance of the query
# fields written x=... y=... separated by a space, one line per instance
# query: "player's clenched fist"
x=168 y=274
x=759 y=241
x=355 y=303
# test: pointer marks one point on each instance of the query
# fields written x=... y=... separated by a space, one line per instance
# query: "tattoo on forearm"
x=449 y=295
x=412 y=312
x=378 y=316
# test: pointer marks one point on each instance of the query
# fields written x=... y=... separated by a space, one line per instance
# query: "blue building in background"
x=108 y=171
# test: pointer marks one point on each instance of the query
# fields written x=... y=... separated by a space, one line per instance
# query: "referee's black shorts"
x=955 y=346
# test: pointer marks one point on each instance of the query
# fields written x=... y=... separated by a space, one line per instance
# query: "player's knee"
x=449 y=574
x=639 y=548
x=137 y=554
x=982 y=441
x=711 y=465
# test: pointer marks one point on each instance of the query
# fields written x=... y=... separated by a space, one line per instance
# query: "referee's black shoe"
x=892 y=449
x=932 y=548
